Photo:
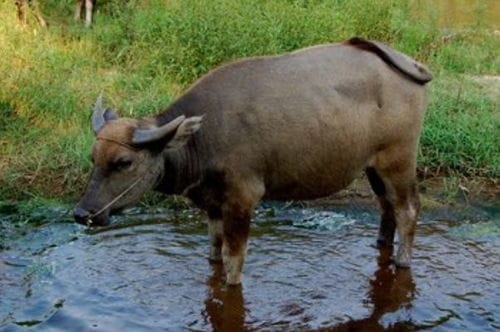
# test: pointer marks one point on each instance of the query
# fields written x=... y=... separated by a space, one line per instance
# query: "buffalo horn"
x=98 y=115
x=101 y=115
x=150 y=135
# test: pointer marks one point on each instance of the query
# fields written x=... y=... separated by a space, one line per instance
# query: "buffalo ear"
x=100 y=115
x=187 y=128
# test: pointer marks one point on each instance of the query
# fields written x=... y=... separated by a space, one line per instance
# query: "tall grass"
x=462 y=129
x=142 y=54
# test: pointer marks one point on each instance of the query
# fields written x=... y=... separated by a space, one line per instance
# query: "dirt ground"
x=434 y=192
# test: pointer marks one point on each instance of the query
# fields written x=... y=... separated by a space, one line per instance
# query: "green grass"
x=462 y=128
x=142 y=54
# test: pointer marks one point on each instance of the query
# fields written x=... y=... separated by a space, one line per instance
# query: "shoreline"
x=435 y=192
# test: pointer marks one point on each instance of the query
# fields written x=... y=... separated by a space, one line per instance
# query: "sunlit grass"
x=142 y=54
x=462 y=128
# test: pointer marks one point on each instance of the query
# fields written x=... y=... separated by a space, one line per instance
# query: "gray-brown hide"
x=301 y=125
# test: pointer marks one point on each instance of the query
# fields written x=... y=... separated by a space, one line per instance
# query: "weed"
x=142 y=54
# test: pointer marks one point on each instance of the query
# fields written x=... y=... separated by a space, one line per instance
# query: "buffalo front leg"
x=236 y=214
x=236 y=227
x=215 y=238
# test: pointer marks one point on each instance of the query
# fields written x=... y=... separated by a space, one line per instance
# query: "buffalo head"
x=128 y=160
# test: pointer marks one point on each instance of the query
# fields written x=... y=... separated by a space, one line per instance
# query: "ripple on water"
x=306 y=269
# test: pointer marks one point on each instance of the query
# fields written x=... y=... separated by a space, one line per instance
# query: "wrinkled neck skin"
x=182 y=166
x=181 y=169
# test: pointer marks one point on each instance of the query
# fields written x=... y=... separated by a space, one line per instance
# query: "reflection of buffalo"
x=390 y=290
x=301 y=125
x=224 y=306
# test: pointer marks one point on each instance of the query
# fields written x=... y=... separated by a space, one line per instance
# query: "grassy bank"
x=142 y=54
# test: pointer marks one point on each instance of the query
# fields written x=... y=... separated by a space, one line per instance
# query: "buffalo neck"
x=189 y=165
x=181 y=169
x=182 y=166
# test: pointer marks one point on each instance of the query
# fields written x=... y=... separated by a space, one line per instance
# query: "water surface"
x=308 y=268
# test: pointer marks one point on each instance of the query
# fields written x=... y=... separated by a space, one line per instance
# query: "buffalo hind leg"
x=387 y=220
x=406 y=212
x=215 y=236
x=399 y=201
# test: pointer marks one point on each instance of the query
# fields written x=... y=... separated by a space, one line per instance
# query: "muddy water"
x=308 y=268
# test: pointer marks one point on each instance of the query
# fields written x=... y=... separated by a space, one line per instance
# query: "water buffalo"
x=301 y=125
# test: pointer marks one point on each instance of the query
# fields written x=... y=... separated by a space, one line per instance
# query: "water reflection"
x=224 y=306
x=153 y=276
x=390 y=290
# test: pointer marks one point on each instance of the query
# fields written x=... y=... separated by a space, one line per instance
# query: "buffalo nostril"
x=81 y=215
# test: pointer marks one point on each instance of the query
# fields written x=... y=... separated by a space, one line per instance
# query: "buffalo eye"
x=121 y=164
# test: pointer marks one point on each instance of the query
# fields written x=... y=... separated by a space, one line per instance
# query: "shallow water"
x=308 y=268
